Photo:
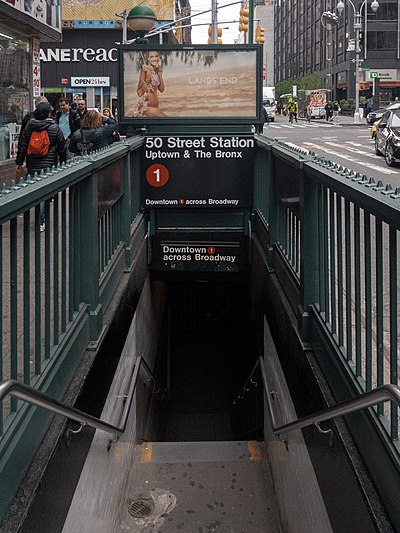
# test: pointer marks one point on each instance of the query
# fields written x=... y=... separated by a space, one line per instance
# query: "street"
x=347 y=145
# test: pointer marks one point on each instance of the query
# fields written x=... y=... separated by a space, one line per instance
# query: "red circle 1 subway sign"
x=157 y=175
x=199 y=171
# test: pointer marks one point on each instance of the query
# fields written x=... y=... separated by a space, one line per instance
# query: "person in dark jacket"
x=57 y=151
x=114 y=135
x=30 y=114
x=82 y=109
x=94 y=132
x=67 y=118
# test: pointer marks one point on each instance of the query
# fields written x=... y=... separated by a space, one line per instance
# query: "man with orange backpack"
x=41 y=144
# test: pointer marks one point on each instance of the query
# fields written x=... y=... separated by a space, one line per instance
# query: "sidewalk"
x=344 y=120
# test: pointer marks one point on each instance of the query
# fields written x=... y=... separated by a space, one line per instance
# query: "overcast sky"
x=200 y=33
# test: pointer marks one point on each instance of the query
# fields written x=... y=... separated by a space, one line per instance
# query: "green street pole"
x=251 y=22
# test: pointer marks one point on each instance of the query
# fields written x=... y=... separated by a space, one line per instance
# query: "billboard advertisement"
x=100 y=10
x=196 y=84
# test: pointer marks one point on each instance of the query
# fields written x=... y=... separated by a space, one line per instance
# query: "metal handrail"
x=373 y=397
x=27 y=393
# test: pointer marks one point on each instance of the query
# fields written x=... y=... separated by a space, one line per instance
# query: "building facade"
x=23 y=25
x=304 y=46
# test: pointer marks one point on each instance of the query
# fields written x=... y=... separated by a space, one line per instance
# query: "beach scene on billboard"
x=189 y=83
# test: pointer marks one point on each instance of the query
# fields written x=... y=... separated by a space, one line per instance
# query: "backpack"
x=39 y=143
x=84 y=146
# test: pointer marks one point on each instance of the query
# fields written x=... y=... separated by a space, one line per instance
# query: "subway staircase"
x=199 y=487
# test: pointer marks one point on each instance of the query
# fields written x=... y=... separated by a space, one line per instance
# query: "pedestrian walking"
x=82 y=109
x=335 y=111
x=328 y=111
x=308 y=114
x=93 y=133
x=292 y=108
x=30 y=114
x=41 y=145
x=68 y=120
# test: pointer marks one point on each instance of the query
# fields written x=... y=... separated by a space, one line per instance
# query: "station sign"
x=213 y=171
x=199 y=251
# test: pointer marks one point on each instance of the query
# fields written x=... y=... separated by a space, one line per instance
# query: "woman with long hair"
x=93 y=134
x=114 y=136
x=151 y=82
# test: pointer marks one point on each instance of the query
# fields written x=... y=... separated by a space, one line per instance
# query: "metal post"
x=124 y=26
x=357 y=28
x=251 y=22
x=214 y=21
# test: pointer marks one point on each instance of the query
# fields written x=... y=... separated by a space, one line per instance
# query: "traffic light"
x=244 y=19
x=219 y=35
x=260 y=34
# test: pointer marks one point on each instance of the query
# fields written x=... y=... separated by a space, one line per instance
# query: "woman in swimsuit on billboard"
x=150 y=82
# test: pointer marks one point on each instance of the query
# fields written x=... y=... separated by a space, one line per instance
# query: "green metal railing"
x=329 y=233
x=57 y=282
x=337 y=232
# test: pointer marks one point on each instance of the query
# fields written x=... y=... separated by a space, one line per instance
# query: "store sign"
x=75 y=55
x=36 y=66
x=90 y=81
x=199 y=171
x=64 y=81
x=385 y=75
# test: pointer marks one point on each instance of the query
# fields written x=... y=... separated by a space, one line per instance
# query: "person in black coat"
x=73 y=123
x=94 y=132
x=31 y=114
x=57 y=150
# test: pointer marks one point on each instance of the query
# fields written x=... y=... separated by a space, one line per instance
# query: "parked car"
x=387 y=137
x=373 y=116
x=378 y=113
x=374 y=128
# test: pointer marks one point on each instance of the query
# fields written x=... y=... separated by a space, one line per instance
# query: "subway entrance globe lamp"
x=141 y=19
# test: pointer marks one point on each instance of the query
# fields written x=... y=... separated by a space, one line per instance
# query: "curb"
x=346 y=124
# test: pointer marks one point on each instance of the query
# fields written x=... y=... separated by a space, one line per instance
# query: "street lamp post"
x=357 y=60
x=140 y=19
x=329 y=21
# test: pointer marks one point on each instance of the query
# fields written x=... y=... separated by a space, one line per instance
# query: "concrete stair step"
x=200 y=452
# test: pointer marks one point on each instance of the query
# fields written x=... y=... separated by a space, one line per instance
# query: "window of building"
x=15 y=78
x=382 y=40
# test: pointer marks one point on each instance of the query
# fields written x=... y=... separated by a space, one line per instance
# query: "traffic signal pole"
x=214 y=21
x=251 y=22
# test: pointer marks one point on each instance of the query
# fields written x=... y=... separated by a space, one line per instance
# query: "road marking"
x=306 y=150
x=383 y=170
x=355 y=150
x=354 y=143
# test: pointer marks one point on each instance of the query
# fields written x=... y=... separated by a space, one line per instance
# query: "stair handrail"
x=367 y=399
x=22 y=391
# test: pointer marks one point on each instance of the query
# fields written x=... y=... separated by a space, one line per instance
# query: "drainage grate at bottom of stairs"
x=141 y=507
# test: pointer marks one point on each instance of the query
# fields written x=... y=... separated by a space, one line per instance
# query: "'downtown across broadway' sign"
x=201 y=172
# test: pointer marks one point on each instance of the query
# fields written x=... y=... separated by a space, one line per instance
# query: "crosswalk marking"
x=297 y=125
x=355 y=150
x=383 y=170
